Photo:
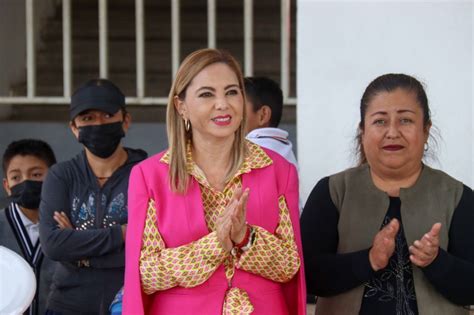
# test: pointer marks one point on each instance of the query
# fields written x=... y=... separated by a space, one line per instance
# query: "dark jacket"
x=91 y=255
x=12 y=236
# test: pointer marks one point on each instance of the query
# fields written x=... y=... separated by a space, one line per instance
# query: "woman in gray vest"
x=391 y=236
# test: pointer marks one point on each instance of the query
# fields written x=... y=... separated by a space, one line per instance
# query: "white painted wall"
x=343 y=45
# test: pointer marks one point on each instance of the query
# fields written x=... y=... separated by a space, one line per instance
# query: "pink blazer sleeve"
x=134 y=300
x=296 y=302
x=286 y=177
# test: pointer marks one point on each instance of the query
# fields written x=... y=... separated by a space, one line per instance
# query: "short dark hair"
x=388 y=83
x=33 y=147
x=264 y=91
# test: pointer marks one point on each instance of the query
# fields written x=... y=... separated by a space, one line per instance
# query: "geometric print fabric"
x=273 y=256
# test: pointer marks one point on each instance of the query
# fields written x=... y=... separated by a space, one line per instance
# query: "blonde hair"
x=177 y=134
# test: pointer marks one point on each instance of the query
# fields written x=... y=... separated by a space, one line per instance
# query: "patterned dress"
x=272 y=256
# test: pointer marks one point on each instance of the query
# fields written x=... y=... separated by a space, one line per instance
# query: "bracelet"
x=245 y=240
x=246 y=243
x=250 y=242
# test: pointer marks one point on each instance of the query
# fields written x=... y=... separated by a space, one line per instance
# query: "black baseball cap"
x=99 y=94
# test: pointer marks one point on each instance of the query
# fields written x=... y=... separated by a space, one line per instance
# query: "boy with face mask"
x=84 y=204
x=25 y=164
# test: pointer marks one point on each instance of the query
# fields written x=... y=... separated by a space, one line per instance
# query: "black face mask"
x=101 y=140
x=27 y=194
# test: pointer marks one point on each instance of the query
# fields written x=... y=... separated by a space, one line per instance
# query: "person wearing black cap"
x=83 y=211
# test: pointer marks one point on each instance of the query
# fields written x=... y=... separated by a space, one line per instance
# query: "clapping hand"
x=424 y=251
x=383 y=245
x=231 y=223
x=224 y=224
x=239 y=216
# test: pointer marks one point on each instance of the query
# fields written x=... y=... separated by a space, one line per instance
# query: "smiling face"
x=394 y=134
x=213 y=104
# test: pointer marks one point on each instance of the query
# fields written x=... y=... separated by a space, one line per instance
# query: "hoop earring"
x=187 y=124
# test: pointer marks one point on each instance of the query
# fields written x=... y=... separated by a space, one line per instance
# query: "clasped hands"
x=422 y=252
x=231 y=225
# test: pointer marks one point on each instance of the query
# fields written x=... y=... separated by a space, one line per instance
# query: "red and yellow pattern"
x=273 y=256
x=185 y=266
x=237 y=302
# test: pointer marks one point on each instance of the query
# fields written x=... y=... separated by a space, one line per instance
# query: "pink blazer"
x=181 y=221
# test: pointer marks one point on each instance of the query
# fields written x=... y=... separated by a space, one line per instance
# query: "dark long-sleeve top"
x=329 y=273
x=96 y=214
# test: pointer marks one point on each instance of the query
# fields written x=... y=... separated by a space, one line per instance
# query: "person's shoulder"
x=354 y=177
x=444 y=186
x=277 y=159
x=279 y=164
x=67 y=165
x=272 y=138
x=152 y=171
x=3 y=214
x=281 y=169
x=154 y=161
x=136 y=155
x=349 y=173
x=60 y=169
x=268 y=132
x=4 y=225
x=441 y=183
x=441 y=177
x=67 y=171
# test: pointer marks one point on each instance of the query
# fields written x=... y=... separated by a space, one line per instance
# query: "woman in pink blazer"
x=213 y=221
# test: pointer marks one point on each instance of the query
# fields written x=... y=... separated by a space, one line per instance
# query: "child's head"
x=264 y=103
x=26 y=160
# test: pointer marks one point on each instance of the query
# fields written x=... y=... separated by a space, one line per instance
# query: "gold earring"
x=187 y=124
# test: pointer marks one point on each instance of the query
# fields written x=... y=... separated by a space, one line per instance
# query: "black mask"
x=101 y=140
x=27 y=194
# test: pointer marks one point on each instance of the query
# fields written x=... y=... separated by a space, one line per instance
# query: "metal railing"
x=141 y=98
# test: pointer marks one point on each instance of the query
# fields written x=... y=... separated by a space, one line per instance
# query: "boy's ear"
x=265 y=114
x=6 y=187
